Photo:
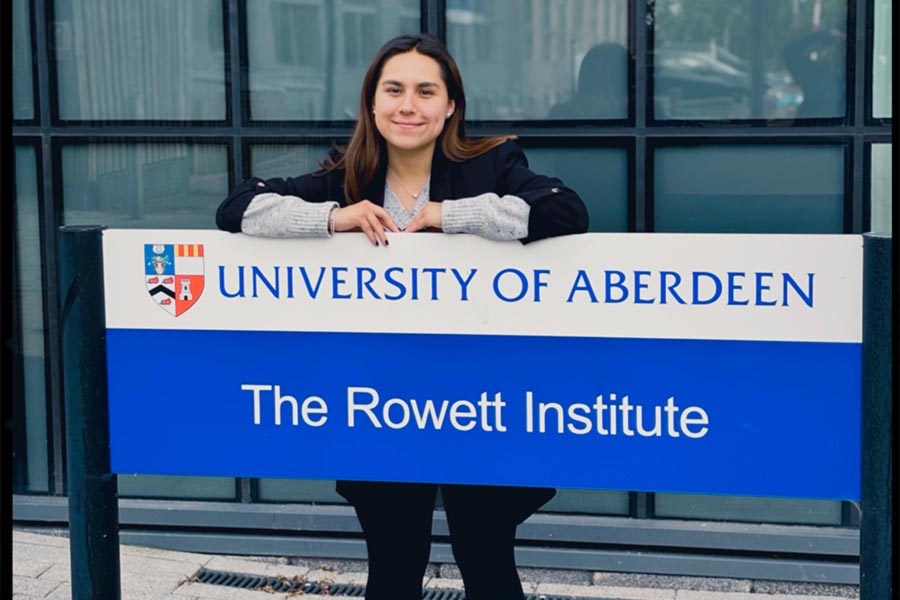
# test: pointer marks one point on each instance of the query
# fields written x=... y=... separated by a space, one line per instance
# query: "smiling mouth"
x=407 y=125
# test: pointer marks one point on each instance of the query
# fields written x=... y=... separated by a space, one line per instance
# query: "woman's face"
x=411 y=103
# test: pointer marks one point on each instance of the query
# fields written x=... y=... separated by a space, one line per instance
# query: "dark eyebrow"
x=424 y=84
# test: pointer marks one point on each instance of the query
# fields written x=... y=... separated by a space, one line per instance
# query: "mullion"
x=49 y=274
x=643 y=85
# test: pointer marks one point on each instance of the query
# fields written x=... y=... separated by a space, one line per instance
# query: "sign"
x=718 y=364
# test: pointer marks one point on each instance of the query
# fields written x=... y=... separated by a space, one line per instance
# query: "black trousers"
x=396 y=519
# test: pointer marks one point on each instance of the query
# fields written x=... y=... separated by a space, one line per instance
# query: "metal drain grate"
x=249 y=581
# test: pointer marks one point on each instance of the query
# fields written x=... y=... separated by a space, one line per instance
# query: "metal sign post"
x=93 y=504
x=879 y=480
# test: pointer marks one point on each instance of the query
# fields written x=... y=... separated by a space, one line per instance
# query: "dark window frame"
x=641 y=134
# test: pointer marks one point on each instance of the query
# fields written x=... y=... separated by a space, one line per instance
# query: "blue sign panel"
x=729 y=417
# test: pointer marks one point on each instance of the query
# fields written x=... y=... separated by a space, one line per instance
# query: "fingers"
x=385 y=219
x=375 y=230
x=369 y=218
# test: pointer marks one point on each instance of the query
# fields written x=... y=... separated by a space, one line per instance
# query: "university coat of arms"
x=174 y=275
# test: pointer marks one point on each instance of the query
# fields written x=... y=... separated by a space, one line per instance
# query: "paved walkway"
x=41 y=570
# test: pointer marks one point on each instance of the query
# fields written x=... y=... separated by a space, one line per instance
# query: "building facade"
x=746 y=116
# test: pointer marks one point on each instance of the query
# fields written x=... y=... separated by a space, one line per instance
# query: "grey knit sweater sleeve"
x=487 y=215
x=274 y=215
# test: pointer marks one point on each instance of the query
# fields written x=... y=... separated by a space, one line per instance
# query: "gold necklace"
x=400 y=183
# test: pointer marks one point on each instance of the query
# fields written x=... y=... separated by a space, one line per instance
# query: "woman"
x=409 y=167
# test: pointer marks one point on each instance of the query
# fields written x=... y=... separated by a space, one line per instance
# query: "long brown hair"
x=366 y=152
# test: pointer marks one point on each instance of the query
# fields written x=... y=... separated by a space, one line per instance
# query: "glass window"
x=596 y=502
x=599 y=175
x=285 y=160
x=749 y=189
x=30 y=457
x=541 y=59
x=296 y=490
x=882 y=78
x=741 y=508
x=149 y=185
x=881 y=188
x=140 y=59
x=166 y=486
x=297 y=72
x=23 y=86
x=748 y=59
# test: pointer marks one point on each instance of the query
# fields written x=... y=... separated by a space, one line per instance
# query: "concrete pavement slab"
x=31 y=568
x=799 y=588
x=135 y=563
x=50 y=538
x=708 y=595
x=165 y=554
x=569 y=576
x=445 y=583
x=60 y=571
x=591 y=591
x=634 y=593
x=672 y=582
x=26 y=553
x=30 y=586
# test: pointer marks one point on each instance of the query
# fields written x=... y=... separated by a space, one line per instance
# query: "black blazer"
x=555 y=208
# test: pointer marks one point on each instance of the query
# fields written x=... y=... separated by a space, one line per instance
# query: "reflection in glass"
x=882 y=77
x=599 y=175
x=168 y=486
x=749 y=59
x=23 y=90
x=743 y=508
x=882 y=188
x=307 y=59
x=285 y=160
x=140 y=60
x=594 y=502
x=159 y=185
x=541 y=59
x=749 y=189
x=30 y=472
x=320 y=491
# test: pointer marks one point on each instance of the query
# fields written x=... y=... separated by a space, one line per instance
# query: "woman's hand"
x=429 y=218
x=367 y=217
